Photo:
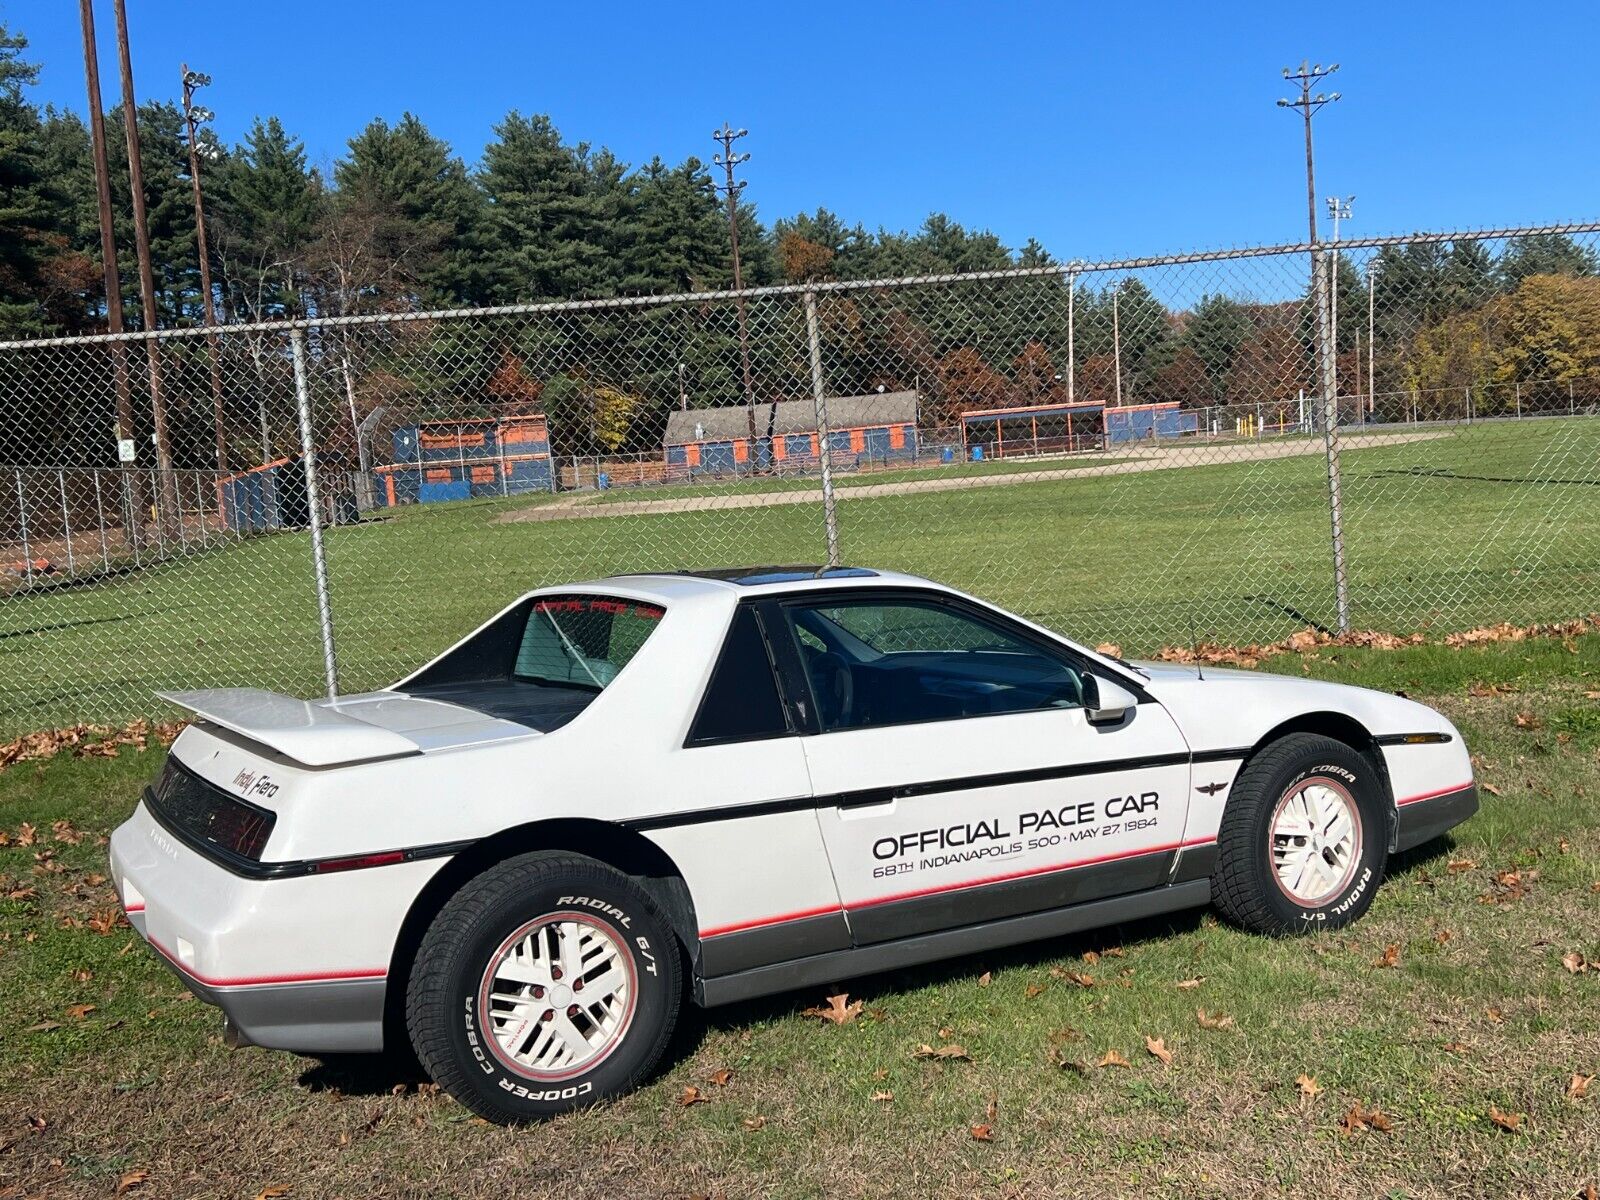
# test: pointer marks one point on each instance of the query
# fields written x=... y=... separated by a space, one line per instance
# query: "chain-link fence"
x=1136 y=452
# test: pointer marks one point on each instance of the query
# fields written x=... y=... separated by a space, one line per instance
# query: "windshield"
x=582 y=641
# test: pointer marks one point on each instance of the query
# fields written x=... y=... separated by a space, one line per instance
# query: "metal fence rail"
x=1227 y=445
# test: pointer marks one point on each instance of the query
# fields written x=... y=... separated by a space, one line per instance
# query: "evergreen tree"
x=31 y=210
x=402 y=173
x=1545 y=254
x=267 y=204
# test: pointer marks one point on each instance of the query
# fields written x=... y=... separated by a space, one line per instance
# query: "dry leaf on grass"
x=1575 y=963
x=1032 y=990
x=1510 y=1122
x=986 y=979
x=882 y=1097
x=721 y=1077
x=840 y=1010
x=273 y=1191
x=1491 y=789
x=1190 y=984
x=1307 y=1084
x=1112 y=1059
x=1212 y=1020
x=131 y=1180
x=1365 y=1118
x=693 y=1095
x=1158 y=1049
x=982 y=1133
x=1458 y=865
x=951 y=1051
x=1389 y=958
x=78 y=1012
x=754 y=1123
x=1457 y=1047
x=1578 y=1086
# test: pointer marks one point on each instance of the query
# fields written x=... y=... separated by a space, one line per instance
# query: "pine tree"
x=266 y=206
x=402 y=172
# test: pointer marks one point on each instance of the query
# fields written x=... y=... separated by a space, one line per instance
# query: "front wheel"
x=548 y=983
x=1304 y=838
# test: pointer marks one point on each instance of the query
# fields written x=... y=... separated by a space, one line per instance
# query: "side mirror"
x=1105 y=701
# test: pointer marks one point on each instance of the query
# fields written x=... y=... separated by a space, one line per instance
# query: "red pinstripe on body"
x=760 y=922
x=267 y=980
x=1445 y=791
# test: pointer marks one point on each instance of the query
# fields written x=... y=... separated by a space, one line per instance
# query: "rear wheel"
x=1303 y=840
x=548 y=983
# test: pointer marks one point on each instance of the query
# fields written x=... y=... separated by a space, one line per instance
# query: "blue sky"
x=1102 y=131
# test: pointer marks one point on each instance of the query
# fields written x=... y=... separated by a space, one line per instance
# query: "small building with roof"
x=881 y=427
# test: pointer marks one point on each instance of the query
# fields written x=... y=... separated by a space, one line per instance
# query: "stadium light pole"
x=728 y=160
x=195 y=115
x=147 y=283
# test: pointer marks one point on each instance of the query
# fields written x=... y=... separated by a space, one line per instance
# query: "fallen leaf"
x=82 y=975
x=1510 y=1122
x=1032 y=990
x=131 y=1180
x=983 y=1133
x=78 y=1012
x=1578 y=1086
x=44 y=1026
x=25 y=834
x=1091 y=957
x=880 y=1074
x=754 y=1123
x=841 y=1010
x=693 y=1095
x=1443 y=936
x=1113 y=952
x=1112 y=1059
x=272 y=1191
x=1457 y=1047
x=1365 y=1118
x=1495 y=1016
x=1307 y=1084
x=951 y=1051
x=1212 y=1020
x=1526 y=720
x=1458 y=865
x=882 y=1097
x=1574 y=963
x=1158 y=1048
x=721 y=1077
x=1390 y=956
x=991 y=1111
x=1492 y=790
x=1083 y=981
x=986 y=979
x=1190 y=984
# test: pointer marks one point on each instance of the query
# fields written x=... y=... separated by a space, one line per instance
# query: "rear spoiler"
x=310 y=733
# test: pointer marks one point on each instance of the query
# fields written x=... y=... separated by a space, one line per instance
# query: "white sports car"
x=620 y=795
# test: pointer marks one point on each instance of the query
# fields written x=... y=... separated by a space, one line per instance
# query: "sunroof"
x=753 y=576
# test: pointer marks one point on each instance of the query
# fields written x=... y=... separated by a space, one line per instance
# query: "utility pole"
x=147 y=283
x=1338 y=210
x=1308 y=105
x=108 y=258
x=728 y=160
x=1116 y=341
x=194 y=115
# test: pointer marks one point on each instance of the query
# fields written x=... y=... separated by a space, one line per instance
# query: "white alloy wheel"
x=558 y=996
x=1316 y=840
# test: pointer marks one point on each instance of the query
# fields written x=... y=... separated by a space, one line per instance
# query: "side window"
x=741 y=701
x=895 y=662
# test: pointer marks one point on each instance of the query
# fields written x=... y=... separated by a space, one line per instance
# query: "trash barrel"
x=977 y=454
x=603 y=481
x=948 y=454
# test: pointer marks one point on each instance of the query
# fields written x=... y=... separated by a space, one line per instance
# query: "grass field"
x=1472 y=525
x=1448 y=1002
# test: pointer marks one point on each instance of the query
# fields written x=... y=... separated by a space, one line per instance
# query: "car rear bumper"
x=1426 y=817
x=296 y=964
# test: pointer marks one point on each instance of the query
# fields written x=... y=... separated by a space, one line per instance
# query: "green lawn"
x=1474 y=1010
x=1483 y=523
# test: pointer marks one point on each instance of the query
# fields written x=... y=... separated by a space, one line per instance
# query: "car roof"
x=667 y=586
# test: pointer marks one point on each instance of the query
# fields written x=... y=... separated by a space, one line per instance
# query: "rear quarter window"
x=582 y=640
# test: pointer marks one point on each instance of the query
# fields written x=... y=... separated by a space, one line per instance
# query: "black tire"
x=1246 y=888
x=449 y=986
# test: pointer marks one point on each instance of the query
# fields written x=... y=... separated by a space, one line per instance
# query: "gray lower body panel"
x=950 y=943
x=1424 y=820
x=323 y=1016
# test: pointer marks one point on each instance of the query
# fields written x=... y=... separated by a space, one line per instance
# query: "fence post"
x=100 y=518
x=1330 y=433
x=22 y=520
x=66 y=520
x=819 y=400
x=319 y=561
